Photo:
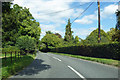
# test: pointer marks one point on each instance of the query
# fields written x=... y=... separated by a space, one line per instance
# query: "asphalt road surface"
x=47 y=65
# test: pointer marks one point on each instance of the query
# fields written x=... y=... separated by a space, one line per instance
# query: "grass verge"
x=9 y=68
x=99 y=60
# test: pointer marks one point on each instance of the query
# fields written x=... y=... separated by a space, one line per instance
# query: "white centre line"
x=57 y=58
x=77 y=73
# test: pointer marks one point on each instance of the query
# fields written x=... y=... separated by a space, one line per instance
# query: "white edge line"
x=57 y=58
x=77 y=73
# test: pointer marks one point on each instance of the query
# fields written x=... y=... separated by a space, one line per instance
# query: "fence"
x=16 y=54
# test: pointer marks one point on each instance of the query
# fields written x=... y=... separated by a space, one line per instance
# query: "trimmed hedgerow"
x=110 y=51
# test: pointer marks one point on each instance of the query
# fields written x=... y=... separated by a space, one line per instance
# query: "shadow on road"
x=34 y=68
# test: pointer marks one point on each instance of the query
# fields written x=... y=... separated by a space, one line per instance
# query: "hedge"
x=110 y=51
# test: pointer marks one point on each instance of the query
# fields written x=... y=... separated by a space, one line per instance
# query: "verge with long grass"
x=9 y=68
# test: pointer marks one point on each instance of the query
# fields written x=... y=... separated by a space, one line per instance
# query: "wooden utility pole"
x=98 y=2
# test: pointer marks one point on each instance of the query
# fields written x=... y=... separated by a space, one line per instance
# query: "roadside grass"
x=9 y=68
x=99 y=60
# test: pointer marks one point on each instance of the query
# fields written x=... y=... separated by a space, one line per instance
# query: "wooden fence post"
x=5 y=55
x=11 y=57
x=15 y=55
x=18 y=54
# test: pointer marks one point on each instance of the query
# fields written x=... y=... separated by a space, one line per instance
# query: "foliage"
x=111 y=33
x=57 y=34
x=51 y=40
x=49 y=32
x=68 y=34
x=26 y=43
x=10 y=49
x=116 y=36
x=76 y=41
x=110 y=51
x=18 y=22
x=118 y=20
x=6 y=7
x=93 y=37
x=43 y=47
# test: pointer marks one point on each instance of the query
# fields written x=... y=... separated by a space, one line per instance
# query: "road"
x=47 y=65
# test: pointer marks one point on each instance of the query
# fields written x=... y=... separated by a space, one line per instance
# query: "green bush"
x=26 y=44
x=49 y=41
x=111 y=50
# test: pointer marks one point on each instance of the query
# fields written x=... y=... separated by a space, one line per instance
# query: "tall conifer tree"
x=68 y=33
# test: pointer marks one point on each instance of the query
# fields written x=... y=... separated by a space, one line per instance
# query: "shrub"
x=26 y=43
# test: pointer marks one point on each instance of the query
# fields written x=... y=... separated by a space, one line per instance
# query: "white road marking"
x=77 y=73
x=57 y=58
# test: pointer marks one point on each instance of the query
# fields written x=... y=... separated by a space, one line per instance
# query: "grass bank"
x=9 y=69
x=99 y=60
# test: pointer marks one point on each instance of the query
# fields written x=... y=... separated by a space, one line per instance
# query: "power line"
x=64 y=9
x=97 y=8
x=82 y=12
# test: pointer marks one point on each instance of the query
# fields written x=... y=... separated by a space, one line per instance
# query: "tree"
x=51 y=40
x=68 y=34
x=76 y=41
x=111 y=33
x=116 y=36
x=93 y=37
x=18 y=22
x=26 y=43
x=6 y=7
x=118 y=20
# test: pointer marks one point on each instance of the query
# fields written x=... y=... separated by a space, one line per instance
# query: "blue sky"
x=56 y=22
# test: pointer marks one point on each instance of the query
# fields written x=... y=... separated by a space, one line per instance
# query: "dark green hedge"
x=110 y=51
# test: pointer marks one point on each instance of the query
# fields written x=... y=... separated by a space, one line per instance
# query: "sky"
x=53 y=15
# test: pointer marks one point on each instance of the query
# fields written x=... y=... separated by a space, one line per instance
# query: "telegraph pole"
x=98 y=2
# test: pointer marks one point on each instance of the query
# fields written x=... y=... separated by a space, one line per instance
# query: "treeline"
x=107 y=48
x=20 y=31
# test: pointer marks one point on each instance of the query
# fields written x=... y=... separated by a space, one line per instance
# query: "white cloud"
x=106 y=12
x=45 y=28
x=77 y=12
x=41 y=8
x=87 y=19
x=92 y=28
x=109 y=10
x=51 y=28
x=84 y=21
x=83 y=31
